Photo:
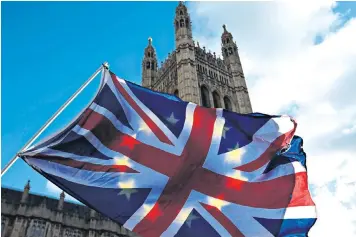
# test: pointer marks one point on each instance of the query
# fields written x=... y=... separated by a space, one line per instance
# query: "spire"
x=149 y=50
x=27 y=186
x=226 y=35
x=26 y=192
x=149 y=65
x=229 y=48
x=62 y=195
x=181 y=7
x=61 y=201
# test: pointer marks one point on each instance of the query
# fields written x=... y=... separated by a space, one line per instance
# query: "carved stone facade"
x=195 y=74
x=28 y=215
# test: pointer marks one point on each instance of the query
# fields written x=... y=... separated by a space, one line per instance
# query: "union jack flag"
x=164 y=167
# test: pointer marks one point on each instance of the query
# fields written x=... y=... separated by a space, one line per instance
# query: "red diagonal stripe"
x=158 y=160
x=223 y=220
x=155 y=129
x=86 y=165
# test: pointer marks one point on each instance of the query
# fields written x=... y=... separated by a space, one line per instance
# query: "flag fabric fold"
x=161 y=166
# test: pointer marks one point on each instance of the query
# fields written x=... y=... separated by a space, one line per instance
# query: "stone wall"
x=40 y=216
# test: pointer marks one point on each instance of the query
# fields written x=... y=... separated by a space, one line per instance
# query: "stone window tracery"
x=181 y=22
x=205 y=97
x=230 y=51
x=37 y=228
x=227 y=103
x=72 y=233
x=216 y=99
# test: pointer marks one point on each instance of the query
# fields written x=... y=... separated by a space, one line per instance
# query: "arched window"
x=177 y=25
x=227 y=103
x=37 y=228
x=149 y=54
x=187 y=22
x=181 y=22
x=230 y=50
x=205 y=99
x=176 y=93
x=148 y=65
x=226 y=52
x=227 y=40
x=152 y=65
x=181 y=13
x=216 y=99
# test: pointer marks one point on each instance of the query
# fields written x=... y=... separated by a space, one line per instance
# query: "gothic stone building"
x=196 y=75
x=28 y=215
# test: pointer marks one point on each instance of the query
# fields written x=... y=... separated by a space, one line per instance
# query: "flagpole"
x=54 y=116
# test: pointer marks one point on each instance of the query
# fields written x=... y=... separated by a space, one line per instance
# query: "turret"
x=182 y=25
x=229 y=48
x=232 y=61
x=149 y=66
x=188 y=86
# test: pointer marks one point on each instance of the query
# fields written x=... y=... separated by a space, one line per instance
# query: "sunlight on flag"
x=218 y=203
x=234 y=156
x=124 y=161
x=127 y=184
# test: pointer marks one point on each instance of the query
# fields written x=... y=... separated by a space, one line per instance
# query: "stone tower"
x=232 y=60
x=195 y=74
x=188 y=86
x=149 y=66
